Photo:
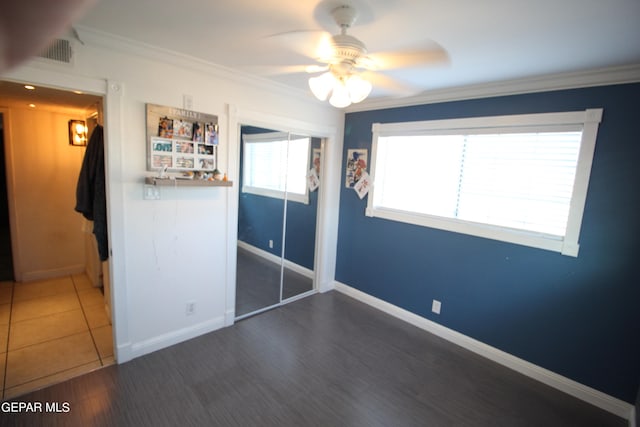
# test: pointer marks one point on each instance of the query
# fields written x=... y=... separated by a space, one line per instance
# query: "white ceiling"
x=487 y=41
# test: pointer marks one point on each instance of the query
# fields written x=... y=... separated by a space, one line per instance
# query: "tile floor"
x=50 y=331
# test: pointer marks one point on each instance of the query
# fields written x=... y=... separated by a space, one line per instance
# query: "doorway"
x=54 y=323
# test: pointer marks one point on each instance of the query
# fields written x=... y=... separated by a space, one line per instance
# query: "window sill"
x=509 y=235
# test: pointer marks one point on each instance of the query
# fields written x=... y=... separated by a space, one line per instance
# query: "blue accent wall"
x=578 y=317
x=260 y=219
x=301 y=229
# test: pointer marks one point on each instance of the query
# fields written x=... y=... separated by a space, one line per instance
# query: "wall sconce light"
x=77 y=133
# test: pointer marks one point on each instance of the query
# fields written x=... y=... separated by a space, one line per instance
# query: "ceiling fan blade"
x=406 y=59
x=309 y=43
x=273 y=70
x=394 y=86
x=316 y=68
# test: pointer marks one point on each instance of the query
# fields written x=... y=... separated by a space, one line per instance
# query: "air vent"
x=59 y=50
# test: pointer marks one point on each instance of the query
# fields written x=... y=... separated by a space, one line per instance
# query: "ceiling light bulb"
x=326 y=49
x=358 y=88
x=340 y=97
x=322 y=85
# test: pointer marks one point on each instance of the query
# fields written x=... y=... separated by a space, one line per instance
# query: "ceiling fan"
x=349 y=70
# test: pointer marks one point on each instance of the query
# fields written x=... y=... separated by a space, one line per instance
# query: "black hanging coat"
x=91 y=199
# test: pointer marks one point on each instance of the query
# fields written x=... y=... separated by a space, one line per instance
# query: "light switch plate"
x=151 y=192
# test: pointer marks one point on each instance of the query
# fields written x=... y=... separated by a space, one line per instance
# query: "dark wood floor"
x=325 y=360
x=258 y=283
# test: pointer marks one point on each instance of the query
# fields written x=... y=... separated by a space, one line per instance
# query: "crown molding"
x=561 y=81
x=92 y=37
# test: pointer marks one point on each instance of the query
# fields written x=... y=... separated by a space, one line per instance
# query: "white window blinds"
x=515 y=176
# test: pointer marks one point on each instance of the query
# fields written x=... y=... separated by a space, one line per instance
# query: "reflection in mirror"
x=300 y=236
x=260 y=220
x=274 y=193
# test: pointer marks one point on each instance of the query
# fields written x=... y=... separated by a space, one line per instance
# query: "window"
x=521 y=178
x=275 y=163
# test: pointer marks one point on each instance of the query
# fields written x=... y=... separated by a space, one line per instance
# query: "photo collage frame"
x=180 y=140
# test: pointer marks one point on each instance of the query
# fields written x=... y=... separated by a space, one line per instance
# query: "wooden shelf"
x=186 y=182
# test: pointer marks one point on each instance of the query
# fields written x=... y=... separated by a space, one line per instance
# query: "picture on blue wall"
x=363 y=185
x=356 y=165
x=313 y=182
x=315 y=161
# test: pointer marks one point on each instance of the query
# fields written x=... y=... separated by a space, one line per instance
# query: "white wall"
x=180 y=248
x=43 y=168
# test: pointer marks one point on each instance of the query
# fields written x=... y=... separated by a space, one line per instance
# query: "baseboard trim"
x=166 y=340
x=326 y=286
x=229 y=317
x=571 y=387
x=123 y=353
x=31 y=276
x=276 y=259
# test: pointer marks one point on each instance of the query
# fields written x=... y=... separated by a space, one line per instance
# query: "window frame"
x=586 y=120
x=266 y=192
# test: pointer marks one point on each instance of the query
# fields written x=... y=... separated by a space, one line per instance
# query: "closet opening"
x=277 y=217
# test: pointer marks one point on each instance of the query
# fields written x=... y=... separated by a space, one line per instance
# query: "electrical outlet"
x=191 y=308
x=270 y=244
x=436 y=306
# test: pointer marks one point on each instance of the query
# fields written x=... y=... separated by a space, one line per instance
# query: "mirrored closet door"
x=276 y=219
x=300 y=218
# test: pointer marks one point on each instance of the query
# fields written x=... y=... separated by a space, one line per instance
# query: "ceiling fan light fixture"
x=340 y=97
x=322 y=85
x=358 y=88
x=341 y=91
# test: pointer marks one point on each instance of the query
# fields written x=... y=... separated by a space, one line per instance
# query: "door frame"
x=112 y=93
x=328 y=197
